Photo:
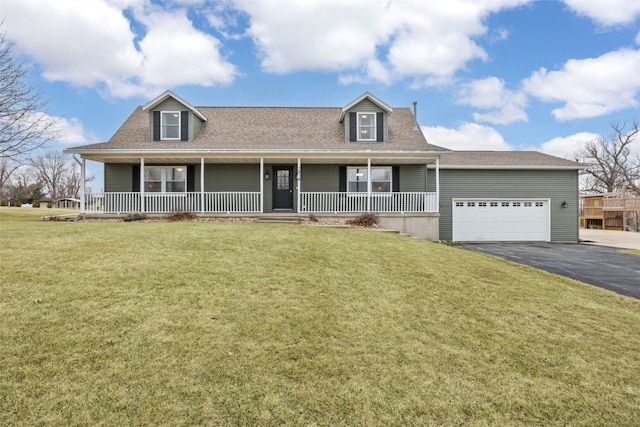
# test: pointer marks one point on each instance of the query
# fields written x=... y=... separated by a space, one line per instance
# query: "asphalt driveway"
x=602 y=266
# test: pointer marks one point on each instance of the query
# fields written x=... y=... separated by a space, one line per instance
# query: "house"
x=363 y=157
x=60 y=203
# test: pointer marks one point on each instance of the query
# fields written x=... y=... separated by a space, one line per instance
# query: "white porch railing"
x=221 y=202
x=249 y=202
x=361 y=202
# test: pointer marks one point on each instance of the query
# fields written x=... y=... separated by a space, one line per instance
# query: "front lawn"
x=206 y=323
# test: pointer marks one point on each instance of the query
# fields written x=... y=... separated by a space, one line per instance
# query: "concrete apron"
x=616 y=239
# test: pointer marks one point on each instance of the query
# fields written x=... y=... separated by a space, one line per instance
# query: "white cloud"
x=607 y=12
x=72 y=132
x=590 y=87
x=92 y=44
x=567 y=147
x=469 y=136
x=505 y=106
x=369 y=41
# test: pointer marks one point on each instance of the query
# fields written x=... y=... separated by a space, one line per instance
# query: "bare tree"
x=24 y=126
x=7 y=168
x=612 y=166
x=60 y=177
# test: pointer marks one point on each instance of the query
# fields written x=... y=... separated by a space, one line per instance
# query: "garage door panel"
x=503 y=220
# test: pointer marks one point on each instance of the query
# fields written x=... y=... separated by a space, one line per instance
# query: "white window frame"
x=363 y=169
x=163 y=125
x=360 y=127
x=163 y=178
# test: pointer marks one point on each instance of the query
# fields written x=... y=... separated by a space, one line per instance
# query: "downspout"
x=83 y=166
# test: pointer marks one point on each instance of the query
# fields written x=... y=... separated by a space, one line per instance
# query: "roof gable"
x=370 y=97
x=168 y=94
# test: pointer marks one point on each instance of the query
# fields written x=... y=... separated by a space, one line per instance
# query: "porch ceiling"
x=349 y=158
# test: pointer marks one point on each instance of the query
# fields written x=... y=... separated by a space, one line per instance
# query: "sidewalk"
x=616 y=239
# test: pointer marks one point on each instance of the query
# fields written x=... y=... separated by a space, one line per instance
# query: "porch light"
x=565 y=204
x=267 y=176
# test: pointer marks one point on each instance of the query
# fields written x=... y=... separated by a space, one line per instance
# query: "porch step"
x=279 y=219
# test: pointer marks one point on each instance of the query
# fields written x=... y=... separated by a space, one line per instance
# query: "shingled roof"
x=273 y=128
x=504 y=160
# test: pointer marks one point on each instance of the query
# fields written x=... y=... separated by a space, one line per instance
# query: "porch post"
x=83 y=174
x=142 y=184
x=369 y=185
x=202 y=184
x=261 y=184
x=298 y=176
x=438 y=184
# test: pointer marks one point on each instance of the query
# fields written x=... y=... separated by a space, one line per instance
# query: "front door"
x=283 y=187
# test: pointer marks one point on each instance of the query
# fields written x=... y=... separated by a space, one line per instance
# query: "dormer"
x=172 y=119
x=365 y=120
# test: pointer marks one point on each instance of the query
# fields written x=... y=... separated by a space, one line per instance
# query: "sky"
x=544 y=75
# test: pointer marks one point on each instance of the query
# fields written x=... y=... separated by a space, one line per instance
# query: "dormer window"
x=170 y=126
x=367 y=127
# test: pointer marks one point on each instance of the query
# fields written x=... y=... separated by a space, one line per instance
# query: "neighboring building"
x=60 y=202
x=363 y=157
x=610 y=211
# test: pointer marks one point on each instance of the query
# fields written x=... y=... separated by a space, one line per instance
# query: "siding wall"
x=365 y=106
x=554 y=185
x=118 y=177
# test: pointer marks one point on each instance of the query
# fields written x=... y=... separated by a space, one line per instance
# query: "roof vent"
x=415 y=116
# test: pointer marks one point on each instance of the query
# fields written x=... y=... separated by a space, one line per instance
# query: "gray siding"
x=365 y=106
x=118 y=177
x=320 y=178
x=412 y=178
x=231 y=177
x=557 y=186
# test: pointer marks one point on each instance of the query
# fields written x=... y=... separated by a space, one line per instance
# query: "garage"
x=510 y=220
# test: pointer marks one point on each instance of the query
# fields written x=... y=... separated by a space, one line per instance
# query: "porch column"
x=298 y=176
x=261 y=184
x=369 y=185
x=141 y=184
x=438 y=184
x=201 y=184
x=83 y=174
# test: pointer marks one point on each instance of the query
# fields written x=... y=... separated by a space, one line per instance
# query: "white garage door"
x=482 y=220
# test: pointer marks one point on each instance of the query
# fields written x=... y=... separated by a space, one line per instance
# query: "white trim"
x=201 y=184
x=163 y=125
x=370 y=97
x=163 y=177
x=261 y=185
x=168 y=94
x=359 y=127
x=142 y=184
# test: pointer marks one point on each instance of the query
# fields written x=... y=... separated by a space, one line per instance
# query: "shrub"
x=313 y=218
x=49 y=205
x=134 y=216
x=35 y=204
x=17 y=204
x=4 y=202
x=365 y=220
x=181 y=216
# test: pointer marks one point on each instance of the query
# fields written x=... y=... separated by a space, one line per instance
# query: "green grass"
x=205 y=323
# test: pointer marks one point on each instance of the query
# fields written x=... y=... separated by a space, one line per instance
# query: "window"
x=170 y=179
x=482 y=204
x=471 y=204
x=493 y=204
x=516 y=204
x=170 y=125
x=527 y=204
x=539 y=204
x=459 y=204
x=366 y=127
x=380 y=180
x=505 y=204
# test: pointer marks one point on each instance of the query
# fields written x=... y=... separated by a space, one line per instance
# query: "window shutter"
x=156 y=125
x=342 y=179
x=380 y=127
x=135 y=181
x=395 y=179
x=353 y=127
x=184 y=126
x=191 y=178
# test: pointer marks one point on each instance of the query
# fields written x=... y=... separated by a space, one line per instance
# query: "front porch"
x=252 y=202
